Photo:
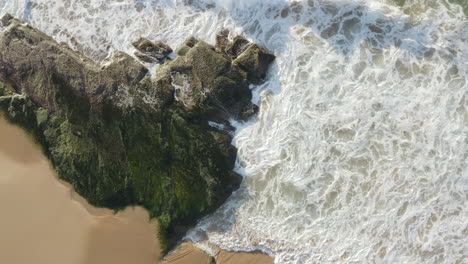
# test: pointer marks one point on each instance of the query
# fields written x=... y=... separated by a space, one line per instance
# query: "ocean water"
x=359 y=152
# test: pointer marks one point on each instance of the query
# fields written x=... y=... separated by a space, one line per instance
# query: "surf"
x=358 y=153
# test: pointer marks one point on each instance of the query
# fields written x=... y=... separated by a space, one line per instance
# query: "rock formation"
x=122 y=137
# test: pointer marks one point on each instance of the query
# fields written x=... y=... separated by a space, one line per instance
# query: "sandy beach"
x=189 y=253
x=45 y=222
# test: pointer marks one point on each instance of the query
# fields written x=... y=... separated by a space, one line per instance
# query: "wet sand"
x=227 y=257
x=43 y=221
x=188 y=253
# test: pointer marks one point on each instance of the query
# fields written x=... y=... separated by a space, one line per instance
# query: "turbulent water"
x=359 y=152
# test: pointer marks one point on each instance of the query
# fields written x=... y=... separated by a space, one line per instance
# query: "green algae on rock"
x=122 y=137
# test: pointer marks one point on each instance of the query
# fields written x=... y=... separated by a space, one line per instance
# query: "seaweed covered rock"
x=238 y=45
x=151 y=52
x=188 y=44
x=209 y=81
x=251 y=58
x=122 y=137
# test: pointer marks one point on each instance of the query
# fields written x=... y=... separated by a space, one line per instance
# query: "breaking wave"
x=359 y=152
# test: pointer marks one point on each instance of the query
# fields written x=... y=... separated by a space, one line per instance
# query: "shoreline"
x=94 y=228
x=41 y=214
x=188 y=252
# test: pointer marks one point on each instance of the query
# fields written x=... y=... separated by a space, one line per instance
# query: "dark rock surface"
x=122 y=137
x=151 y=52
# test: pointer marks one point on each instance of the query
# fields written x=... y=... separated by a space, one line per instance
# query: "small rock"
x=163 y=48
x=330 y=31
x=375 y=29
x=149 y=59
x=239 y=44
x=296 y=7
x=191 y=42
x=255 y=61
x=249 y=111
x=151 y=51
x=6 y=19
x=146 y=46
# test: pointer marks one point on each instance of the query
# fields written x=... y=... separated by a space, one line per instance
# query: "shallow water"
x=359 y=150
x=44 y=222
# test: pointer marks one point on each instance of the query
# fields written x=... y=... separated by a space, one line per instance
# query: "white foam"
x=359 y=150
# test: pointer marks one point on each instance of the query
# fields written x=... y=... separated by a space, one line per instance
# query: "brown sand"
x=43 y=221
x=226 y=257
x=188 y=253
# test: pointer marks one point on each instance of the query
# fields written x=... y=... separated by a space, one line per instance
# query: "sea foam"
x=359 y=152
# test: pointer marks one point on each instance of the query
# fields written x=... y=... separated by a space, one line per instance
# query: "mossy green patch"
x=6 y=89
x=167 y=164
x=123 y=138
x=42 y=115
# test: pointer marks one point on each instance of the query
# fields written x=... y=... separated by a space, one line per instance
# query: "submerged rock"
x=122 y=137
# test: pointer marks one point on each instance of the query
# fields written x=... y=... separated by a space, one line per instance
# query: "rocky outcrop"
x=122 y=137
